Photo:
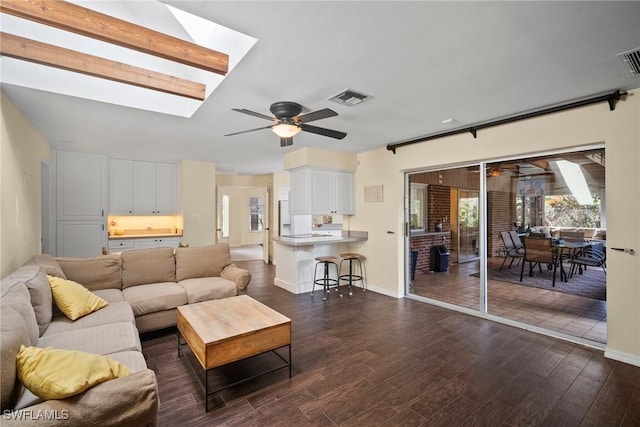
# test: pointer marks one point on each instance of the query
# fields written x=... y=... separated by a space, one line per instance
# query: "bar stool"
x=353 y=259
x=326 y=281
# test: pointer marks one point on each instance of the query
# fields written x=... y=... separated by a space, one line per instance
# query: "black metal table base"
x=205 y=384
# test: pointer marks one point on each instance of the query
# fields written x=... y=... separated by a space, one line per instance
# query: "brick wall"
x=438 y=207
x=501 y=214
x=423 y=243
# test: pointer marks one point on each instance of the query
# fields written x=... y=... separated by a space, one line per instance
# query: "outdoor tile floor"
x=571 y=314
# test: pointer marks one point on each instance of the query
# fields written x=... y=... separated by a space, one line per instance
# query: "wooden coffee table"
x=226 y=330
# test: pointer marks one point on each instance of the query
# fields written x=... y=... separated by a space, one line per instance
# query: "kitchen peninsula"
x=294 y=256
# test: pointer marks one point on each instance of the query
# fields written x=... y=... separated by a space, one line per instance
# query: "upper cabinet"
x=322 y=192
x=81 y=186
x=143 y=188
x=120 y=187
x=166 y=188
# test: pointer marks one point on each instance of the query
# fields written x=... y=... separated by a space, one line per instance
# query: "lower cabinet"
x=120 y=245
x=156 y=242
x=80 y=239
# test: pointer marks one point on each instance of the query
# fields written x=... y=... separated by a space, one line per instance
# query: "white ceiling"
x=423 y=62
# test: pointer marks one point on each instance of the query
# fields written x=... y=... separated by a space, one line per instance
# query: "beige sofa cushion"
x=18 y=327
x=134 y=360
x=144 y=266
x=208 y=288
x=15 y=294
x=204 y=261
x=114 y=312
x=154 y=297
x=103 y=339
x=36 y=281
x=48 y=264
x=102 y=272
x=131 y=401
x=110 y=295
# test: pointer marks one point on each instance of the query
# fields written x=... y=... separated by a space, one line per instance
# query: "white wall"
x=198 y=200
x=22 y=149
x=619 y=130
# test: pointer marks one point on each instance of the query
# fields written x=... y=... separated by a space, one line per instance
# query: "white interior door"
x=266 y=228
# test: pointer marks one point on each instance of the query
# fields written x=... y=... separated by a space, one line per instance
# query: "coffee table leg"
x=206 y=391
x=290 y=361
x=178 y=336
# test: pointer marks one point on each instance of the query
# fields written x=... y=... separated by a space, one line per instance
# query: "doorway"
x=243 y=220
x=468 y=224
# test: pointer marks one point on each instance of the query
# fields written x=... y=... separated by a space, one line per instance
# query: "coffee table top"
x=228 y=318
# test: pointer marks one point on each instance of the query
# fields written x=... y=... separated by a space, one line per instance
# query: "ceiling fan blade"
x=315 y=115
x=250 y=130
x=253 y=113
x=285 y=142
x=322 y=131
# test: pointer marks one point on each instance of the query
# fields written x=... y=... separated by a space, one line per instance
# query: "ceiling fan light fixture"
x=285 y=130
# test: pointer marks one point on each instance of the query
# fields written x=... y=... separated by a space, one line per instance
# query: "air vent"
x=349 y=97
x=630 y=61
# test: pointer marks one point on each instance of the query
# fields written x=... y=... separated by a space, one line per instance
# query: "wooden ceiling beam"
x=71 y=60
x=86 y=22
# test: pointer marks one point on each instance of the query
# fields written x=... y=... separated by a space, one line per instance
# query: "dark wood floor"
x=371 y=360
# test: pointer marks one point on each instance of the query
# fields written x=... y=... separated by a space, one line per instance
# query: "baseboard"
x=383 y=291
x=286 y=285
x=622 y=357
x=294 y=289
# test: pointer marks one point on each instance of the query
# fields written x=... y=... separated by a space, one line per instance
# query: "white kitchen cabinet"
x=80 y=239
x=157 y=242
x=322 y=192
x=81 y=186
x=343 y=193
x=155 y=188
x=166 y=188
x=120 y=245
x=300 y=191
x=120 y=187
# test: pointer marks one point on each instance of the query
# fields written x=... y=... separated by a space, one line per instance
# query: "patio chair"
x=571 y=236
x=538 y=251
x=515 y=238
x=590 y=256
x=511 y=250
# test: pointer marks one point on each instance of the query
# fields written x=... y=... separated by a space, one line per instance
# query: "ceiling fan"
x=288 y=121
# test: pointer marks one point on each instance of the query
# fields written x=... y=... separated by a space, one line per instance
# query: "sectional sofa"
x=143 y=289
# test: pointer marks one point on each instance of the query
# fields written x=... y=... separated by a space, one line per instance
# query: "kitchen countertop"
x=138 y=234
x=319 y=239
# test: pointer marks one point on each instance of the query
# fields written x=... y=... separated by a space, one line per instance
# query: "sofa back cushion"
x=17 y=327
x=144 y=266
x=97 y=273
x=35 y=279
x=204 y=261
x=48 y=264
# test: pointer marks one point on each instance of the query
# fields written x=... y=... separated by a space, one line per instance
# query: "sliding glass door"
x=547 y=196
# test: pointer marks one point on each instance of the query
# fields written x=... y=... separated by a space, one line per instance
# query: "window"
x=418 y=207
x=566 y=211
x=256 y=209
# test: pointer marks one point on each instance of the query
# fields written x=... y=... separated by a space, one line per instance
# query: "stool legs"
x=326 y=281
x=352 y=276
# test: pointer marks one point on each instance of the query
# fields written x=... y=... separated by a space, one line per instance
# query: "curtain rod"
x=611 y=98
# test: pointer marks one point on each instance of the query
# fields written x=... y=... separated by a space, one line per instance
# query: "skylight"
x=149 y=14
x=575 y=180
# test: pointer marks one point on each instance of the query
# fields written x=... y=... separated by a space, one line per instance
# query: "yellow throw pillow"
x=73 y=299
x=57 y=374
